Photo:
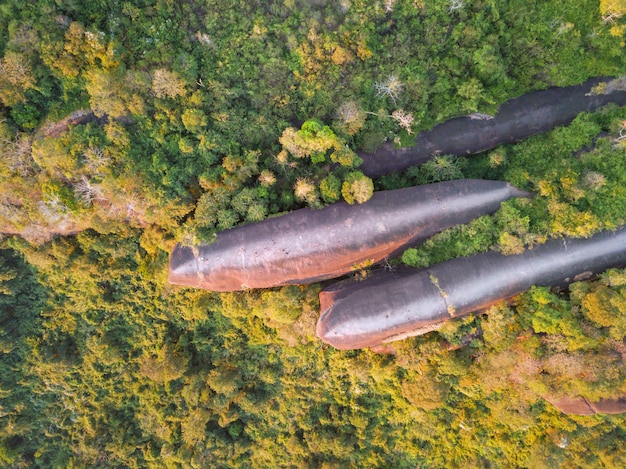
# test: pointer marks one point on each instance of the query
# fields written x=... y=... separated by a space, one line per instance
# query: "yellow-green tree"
x=357 y=188
x=16 y=77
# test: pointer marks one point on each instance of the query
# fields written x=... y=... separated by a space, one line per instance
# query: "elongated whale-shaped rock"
x=516 y=119
x=307 y=245
x=395 y=305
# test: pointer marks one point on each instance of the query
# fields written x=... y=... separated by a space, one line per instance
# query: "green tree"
x=330 y=188
x=312 y=140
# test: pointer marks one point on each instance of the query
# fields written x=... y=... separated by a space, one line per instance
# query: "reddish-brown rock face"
x=582 y=406
x=408 y=302
x=307 y=245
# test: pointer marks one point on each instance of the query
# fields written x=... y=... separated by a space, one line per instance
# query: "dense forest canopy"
x=126 y=127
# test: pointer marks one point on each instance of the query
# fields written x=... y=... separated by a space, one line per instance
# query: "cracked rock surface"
x=394 y=305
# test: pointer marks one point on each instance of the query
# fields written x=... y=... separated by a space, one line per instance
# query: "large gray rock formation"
x=307 y=245
x=395 y=305
x=516 y=119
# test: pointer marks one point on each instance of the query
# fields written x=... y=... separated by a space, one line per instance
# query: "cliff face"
x=516 y=119
x=306 y=245
x=400 y=304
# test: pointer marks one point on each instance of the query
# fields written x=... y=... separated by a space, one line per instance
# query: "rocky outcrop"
x=516 y=119
x=307 y=245
x=582 y=406
x=56 y=129
x=394 y=305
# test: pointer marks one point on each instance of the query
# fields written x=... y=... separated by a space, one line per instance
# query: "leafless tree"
x=389 y=4
x=203 y=38
x=610 y=17
x=404 y=119
x=456 y=5
x=85 y=192
x=391 y=87
x=95 y=160
x=53 y=209
x=17 y=153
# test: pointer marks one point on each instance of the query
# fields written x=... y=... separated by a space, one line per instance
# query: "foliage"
x=128 y=126
x=357 y=188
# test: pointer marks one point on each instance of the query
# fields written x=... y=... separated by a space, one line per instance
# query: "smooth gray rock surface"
x=390 y=306
x=516 y=119
x=306 y=246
